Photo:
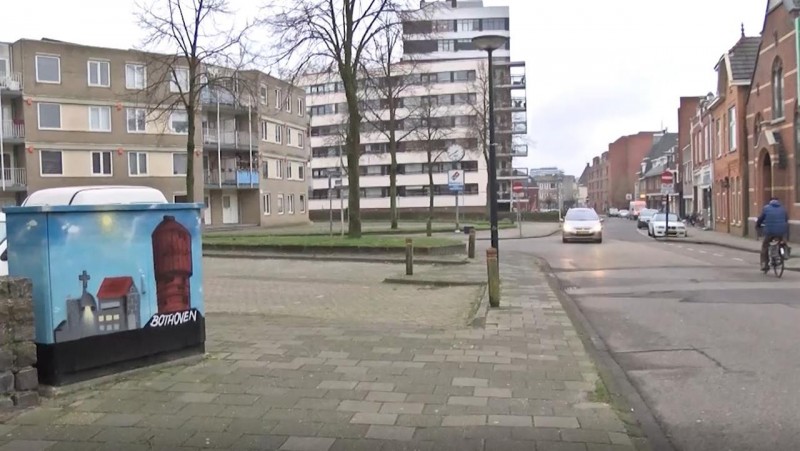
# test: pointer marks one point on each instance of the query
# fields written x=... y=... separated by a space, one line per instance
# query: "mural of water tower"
x=172 y=261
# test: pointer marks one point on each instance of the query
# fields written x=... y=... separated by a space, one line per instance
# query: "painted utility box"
x=114 y=286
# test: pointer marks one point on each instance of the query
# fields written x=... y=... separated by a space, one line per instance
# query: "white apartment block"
x=451 y=72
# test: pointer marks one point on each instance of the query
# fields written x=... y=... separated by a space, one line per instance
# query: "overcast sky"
x=596 y=70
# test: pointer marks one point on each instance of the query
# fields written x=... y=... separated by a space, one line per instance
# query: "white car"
x=624 y=213
x=657 y=226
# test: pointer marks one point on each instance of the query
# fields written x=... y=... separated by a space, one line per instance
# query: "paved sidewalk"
x=521 y=382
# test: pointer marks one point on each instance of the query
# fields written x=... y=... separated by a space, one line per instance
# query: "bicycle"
x=777 y=255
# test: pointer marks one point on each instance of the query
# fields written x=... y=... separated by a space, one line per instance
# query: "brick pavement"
x=292 y=383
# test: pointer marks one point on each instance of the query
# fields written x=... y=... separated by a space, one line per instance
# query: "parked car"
x=82 y=195
x=613 y=212
x=657 y=226
x=624 y=213
x=644 y=217
x=582 y=224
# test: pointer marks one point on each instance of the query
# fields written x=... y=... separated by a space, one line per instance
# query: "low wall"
x=19 y=382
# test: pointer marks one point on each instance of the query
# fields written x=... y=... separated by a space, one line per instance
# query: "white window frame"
x=280 y=205
x=131 y=84
x=139 y=172
x=41 y=172
x=100 y=109
x=173 y=164
x=99 y=64
x=301 y=171
x=288 y=102
x=278 y=133
x=300 y=139
x=300 y=107
x=290 y=204
x=171 y=128
x=266 y=204
x=277 y=99
x=39 y=116
x=110 y=163
x=302 y=198
x=279 y=167
x=288 y=136
x=732 y=129
x=128 y=112
x=175 y=83
x=36 y=63
x=288 y=170
x=263 y=94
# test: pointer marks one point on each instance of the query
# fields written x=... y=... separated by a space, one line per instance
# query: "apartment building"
x=702 y=163
x=454 y=78
x=597 y=188
x=84 y=115
x=662 y=156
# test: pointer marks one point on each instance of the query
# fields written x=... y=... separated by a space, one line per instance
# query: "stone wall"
x=19 y=382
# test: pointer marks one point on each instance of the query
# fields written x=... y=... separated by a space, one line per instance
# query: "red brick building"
x=624 y=159
x=728 y=111
x=687 y=110
x=773 y=122
x=597 y=186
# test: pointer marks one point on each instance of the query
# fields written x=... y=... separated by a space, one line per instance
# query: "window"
x=777 y=89
x=49 y=116
x=48 y=69
x=300 y=107
x=136 y=119
x=288 y=104
x=302 y=203
x=179 y=164
x=288 y=135
x=135 y=76
x=732 y=129
x=99 y=73
x=266 y=201
x=280 y=204
x=50 y=162
x=279 y=168
x=290 y=204
x=262 y=94
x=264 y=129
x=179 y=122
x=288 y=170
x=301 y=172
x=278 y=131
x=468 y=25
x=137 y=163
x=180 y=80
x=278 y=99
x=101 y=163
x=796 y=155
x=446 y=45
x=100 y=118
x=494 y=24
x=299 y=139
x=719 y=138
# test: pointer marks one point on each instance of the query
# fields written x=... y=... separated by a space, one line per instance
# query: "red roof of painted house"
x=114 y=287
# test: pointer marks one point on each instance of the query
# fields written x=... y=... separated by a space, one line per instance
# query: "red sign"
x=517 y=187
x=667 y=178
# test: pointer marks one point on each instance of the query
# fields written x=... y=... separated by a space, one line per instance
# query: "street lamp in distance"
x=490 y=43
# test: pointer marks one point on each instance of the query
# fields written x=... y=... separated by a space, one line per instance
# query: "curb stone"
x=625 y=397
x=328 y=258
x=547 y=235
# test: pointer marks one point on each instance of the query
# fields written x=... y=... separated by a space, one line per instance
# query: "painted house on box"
x=118 y=308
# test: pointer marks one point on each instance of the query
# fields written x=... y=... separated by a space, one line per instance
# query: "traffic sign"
x=667 y=178
x=517 y=187
x=455 y=180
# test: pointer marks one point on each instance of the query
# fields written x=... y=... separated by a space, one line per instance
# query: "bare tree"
x=324 y=35
x=388 y=80
x=188 y=38
x=431 y=128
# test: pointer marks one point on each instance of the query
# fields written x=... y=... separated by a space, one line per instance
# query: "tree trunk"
x=392 y=170
x=429 y=225
x=190 y=113
x=353 y=145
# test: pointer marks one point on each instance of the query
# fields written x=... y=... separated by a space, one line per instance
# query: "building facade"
x=684 y=182
x=702 y=141
x=82 y=115
x=661 y=157
x=773 y=119
x=446 y=71
x=598 y=192
x=624 y=156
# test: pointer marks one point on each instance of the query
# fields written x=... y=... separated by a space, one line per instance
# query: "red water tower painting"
x=172 y=261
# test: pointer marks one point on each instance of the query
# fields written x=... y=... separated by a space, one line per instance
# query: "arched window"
x=777 y=89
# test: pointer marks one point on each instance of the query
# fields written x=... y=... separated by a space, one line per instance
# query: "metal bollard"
x=471 y=244
x=493 y=270
x=409 y=257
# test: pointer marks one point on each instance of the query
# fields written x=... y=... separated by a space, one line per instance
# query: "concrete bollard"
x=471 y=244
x=409 y=257
x=493 y=270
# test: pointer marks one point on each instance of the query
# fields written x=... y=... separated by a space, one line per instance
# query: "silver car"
x=582 y=224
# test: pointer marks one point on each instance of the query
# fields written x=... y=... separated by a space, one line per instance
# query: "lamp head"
x=489 y=42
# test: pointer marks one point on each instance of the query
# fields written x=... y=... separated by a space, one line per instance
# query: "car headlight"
x=568 y=228
x=597 y=228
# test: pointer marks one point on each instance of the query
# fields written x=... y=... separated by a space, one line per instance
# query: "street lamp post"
x=490 y=43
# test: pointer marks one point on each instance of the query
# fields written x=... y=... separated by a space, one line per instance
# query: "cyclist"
x=775 y=220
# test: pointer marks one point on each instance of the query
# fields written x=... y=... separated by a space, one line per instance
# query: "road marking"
x=690 y=249
x=718 y=255
x=702 y=251
x=738 y=259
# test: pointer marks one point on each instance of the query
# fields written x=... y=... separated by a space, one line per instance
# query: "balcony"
x=229 y=140
x=238 y=178
x=512 y=173
x=226 y=100
x=15 y=179
x=516 y=104
x=515 y=128
x=515 y=150
x=13 y=131
x=11 y=83
x=513 y=82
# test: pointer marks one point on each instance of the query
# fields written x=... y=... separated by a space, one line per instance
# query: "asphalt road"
x=711 y=344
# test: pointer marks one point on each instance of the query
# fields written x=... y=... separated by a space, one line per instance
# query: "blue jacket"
x=775 y=219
